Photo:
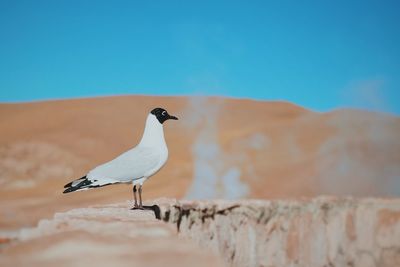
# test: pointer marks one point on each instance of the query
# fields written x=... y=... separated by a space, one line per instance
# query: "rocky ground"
x=310 y=232
x=107 y=235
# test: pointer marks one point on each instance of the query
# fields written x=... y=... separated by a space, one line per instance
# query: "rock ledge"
x=324 y=231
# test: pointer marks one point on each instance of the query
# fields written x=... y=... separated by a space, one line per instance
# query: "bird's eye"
x=163 y=113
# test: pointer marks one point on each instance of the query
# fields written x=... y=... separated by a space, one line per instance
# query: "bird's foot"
x=137 y=207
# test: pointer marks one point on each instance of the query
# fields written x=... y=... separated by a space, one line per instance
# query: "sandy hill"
x=220 y=148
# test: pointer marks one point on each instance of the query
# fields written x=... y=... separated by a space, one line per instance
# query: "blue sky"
x=318 y=54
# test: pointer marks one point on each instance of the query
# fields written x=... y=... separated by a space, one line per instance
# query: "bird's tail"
x=82 y=184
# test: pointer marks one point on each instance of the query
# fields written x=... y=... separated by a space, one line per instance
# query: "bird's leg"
x=140 y=197
x=134 y=196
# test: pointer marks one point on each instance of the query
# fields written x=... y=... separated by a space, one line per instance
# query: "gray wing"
x=131 y=165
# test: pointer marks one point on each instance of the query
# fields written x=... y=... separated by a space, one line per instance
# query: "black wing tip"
x=69 y=190
x=69 y=187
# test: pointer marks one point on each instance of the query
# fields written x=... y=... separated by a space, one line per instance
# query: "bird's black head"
x=162 y=115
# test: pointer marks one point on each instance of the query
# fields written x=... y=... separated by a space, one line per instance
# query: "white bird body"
x=138 y=163
x=135 y=165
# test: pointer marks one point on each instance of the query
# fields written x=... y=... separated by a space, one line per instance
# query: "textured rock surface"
x=311 y=232
x=319 y=232
x=109 y=235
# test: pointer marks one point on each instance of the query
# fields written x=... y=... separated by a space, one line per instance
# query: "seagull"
x=135 y=165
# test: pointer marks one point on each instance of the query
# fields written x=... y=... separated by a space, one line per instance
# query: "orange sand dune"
x=220 y=148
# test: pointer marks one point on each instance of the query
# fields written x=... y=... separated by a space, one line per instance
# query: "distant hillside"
x=220 y=148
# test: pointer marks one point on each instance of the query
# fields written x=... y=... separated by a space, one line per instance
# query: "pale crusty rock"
x=324 y=231
x=108 y=235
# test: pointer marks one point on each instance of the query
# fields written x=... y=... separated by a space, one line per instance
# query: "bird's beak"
x=173 y=118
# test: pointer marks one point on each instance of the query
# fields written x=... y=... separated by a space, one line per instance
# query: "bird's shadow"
x=154 y=208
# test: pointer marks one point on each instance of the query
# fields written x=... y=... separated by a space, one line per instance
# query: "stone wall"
x=317 y=232
x=310 y=232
